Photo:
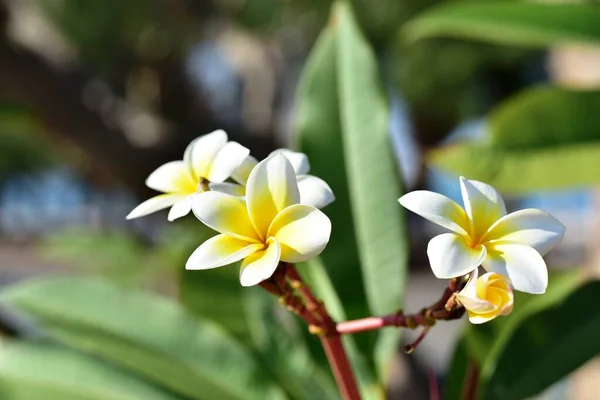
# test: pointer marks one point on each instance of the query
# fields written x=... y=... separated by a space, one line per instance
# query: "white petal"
x=314 y=191
x=227 y=160
x=180 y=209
x=298 y=160
x=523 y=265
x=172 y=177
x=201 y=152
x=302 y=232
x=154 y=204
x=271 y=187
x=241 y=174
x=220 y=250
x=229 y=188
x=451 y=257
x=225 y=214
x=531 y=227
x=438 y=209
x=483 y=205
x=260 y=265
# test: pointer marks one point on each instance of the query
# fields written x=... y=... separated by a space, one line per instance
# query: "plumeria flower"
x=269 y=227
x=313 y=191
x=209 y=158
x=483 y=234
x=486 y=297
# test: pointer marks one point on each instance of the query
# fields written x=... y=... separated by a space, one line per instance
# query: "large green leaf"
x=516 y=23
x=372 y=177
x=35 y=371
x=146 y=334
x=549 y=137
x=486 y=343
x=547 y=347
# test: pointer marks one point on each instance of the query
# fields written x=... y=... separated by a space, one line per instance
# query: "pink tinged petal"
x=180 y=209
x=260 y=265
x=483 y=205
x=172 y=177
x=450 y=256
x=154 y=204
x=241 y=174
x=221 y=250
x=201 y=152
x=298 y=160
x=479 y=318
x=228 y=188
x=227 y=160
x=272 y=186
x=302 y=232
x=531 y=227
x=225 y=214
x=522 y=264
x=438 y=209
x=314 y=191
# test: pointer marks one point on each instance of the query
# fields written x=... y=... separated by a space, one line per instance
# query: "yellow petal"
x=302 y=232
x=221 y=250
x=272 y=186
x=225 y=214
x=260 y=265
x=241 y=174
x=172 y=177
x=483 y=205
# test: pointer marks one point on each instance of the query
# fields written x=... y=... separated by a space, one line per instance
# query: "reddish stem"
x=469 y=391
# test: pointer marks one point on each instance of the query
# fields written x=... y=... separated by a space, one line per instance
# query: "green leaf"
x=485 y=343
x=514 y=23
x=549 y=137
x=372 y=177
x=315 y=275
x=35 y=371
x=547 y=347
x=146 y=334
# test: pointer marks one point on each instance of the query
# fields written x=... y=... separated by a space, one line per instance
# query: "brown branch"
x=470 y=387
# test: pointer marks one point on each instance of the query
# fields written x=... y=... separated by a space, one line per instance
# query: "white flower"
x=313 y=191
x=486 y=297
x=271 y=226
x=210 y=157
x=511 y=245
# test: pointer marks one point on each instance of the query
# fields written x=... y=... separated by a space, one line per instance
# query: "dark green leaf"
x=516 y=23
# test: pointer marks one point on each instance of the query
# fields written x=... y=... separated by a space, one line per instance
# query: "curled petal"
x=241 y=173
x=227 y=160
x=172 y=177
x=298 y=160
x=486 y=297
x=438 y=209
x=302 y=232
x=314 y=191
x=522 y=264
x=180 y=209
x=221 y=250
x=155 y=204
x=260 y=265
x=225 y=214
x=483 y=205
x=450 y=256
x=272 y=186
x=200 y=154
x=531 y=227
x=228 y=188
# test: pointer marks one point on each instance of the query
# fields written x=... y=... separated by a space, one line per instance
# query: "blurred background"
x=94 y=95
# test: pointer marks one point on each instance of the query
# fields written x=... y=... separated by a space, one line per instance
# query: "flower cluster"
x=268 y=212
x=509 y=246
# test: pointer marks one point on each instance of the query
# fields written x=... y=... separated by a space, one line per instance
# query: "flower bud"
x=486 y=297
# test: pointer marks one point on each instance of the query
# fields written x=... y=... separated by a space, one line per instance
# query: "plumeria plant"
x=269 y=220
